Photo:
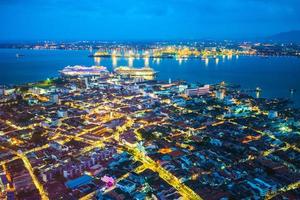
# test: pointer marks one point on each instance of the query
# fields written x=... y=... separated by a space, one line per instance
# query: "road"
x=172 y=180
x=284 y=189
x=38 y=185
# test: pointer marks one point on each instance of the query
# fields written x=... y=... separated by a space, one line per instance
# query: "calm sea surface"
x=274 y=75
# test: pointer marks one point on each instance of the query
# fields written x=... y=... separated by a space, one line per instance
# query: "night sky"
x=145 y=19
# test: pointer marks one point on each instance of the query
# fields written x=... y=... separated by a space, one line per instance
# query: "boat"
x=19 y=55
x=292 y=90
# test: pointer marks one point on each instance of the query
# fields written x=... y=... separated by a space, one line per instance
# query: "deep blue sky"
x=145 y=19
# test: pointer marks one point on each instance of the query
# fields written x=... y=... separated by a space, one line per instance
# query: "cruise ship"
x=79 y=70
x=146 y=73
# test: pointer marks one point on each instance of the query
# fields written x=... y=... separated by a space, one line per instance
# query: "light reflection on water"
x=274 y=75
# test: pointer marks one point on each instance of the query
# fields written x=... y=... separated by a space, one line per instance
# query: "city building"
x=197 y=91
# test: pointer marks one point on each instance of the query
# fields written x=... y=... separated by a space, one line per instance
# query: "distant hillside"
x=290 y=36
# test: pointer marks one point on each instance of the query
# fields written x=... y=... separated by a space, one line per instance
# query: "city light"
x=183 y=100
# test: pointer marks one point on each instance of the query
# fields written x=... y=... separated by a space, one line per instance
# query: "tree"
x=36 y=172
x=24 y=88
x=38 y=138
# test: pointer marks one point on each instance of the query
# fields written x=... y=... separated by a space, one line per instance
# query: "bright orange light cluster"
x=165 y=150
x=250 y=138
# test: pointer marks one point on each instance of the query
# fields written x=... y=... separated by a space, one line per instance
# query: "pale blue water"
x=275 y=75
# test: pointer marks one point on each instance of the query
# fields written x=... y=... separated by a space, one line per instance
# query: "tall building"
x=86 y=81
